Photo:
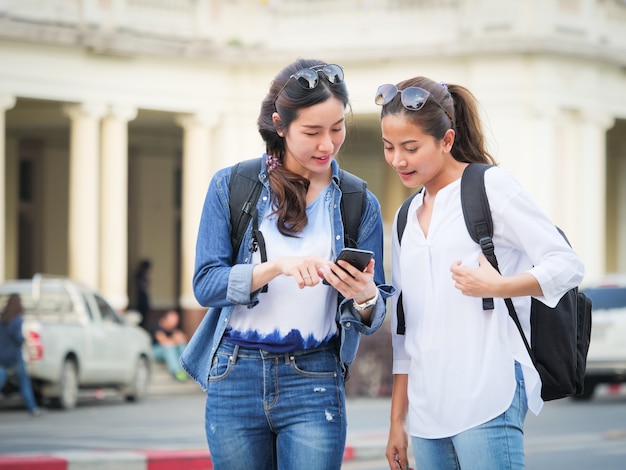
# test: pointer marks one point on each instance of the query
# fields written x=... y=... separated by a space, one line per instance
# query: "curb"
x=121 y=460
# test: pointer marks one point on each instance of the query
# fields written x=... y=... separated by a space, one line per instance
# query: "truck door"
x=94 y=360
x=120 y=357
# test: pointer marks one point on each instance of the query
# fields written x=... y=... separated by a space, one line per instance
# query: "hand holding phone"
x=357 y=258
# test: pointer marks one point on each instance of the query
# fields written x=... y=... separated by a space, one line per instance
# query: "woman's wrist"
x=362 y=306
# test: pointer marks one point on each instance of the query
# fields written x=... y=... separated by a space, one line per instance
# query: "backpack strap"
x=353 y=200
x=477 y=214
x=245 y=189
x=403 y=215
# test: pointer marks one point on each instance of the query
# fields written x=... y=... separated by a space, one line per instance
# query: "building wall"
x=549 y=76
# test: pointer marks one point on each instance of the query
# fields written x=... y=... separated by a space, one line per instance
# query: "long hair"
x=12 y=309
x=286 y=97
x=461 y=114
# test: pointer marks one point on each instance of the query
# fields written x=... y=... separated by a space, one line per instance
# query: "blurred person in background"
x=168 y=343
x=142 y=279
x=11 y=341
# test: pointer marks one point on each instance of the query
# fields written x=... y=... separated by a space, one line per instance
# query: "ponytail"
x=469 y=142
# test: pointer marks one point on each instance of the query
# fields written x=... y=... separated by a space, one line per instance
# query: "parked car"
x=606 y=360
x=75 y=340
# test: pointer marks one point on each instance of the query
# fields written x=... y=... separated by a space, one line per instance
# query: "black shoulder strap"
x=403 y=215
x=353 y=199
x=243 y=199
x=477 y=214
x=245 y=189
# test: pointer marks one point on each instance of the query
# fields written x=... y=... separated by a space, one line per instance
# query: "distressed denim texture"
x=270 y=411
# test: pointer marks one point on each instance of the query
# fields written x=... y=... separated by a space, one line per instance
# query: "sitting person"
x=11 y=340
x=168 y=342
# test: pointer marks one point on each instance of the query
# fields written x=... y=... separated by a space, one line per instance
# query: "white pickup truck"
x=75 y=340
x=606 y=360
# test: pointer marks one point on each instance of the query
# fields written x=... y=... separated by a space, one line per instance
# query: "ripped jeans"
x=275 y=411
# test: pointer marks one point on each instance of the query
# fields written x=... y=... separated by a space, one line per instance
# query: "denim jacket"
x=11 y=340
x=220 y=285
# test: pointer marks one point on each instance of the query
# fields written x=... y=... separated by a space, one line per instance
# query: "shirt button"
x=348 y=325
x=337 y=237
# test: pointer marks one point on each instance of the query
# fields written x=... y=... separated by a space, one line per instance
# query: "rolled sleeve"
x=239 y=285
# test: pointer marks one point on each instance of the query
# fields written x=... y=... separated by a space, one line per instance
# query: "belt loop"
x=234 y=354
x=288 y=358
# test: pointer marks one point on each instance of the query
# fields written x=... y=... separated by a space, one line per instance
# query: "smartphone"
x=357 y=258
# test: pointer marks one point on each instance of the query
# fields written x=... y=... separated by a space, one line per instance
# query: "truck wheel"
x=68 y=386
x=138 y=389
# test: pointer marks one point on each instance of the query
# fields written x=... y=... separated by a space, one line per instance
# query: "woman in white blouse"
x=463 y=380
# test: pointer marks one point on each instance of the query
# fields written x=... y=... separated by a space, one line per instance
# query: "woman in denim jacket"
x=273 y=361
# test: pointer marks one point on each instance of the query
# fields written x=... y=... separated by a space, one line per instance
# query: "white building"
x=114 y=114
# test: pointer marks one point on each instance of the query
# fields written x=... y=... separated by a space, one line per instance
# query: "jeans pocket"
x=221 y=367
x=316 y=364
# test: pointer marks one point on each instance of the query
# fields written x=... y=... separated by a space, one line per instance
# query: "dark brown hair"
x=12 y=309
x=462 y=116
x=287 y=98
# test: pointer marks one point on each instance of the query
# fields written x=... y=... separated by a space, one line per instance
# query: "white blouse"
x=459 y=357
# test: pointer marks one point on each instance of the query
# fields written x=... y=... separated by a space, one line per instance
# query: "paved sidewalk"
x=365 y=448
x=366 y=440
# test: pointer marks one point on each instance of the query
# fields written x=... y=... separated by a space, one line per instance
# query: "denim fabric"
x=497 y=444
x=26 y=390
x=220 y=285
x=170 y=355
x=270 y=411
x=11 y=340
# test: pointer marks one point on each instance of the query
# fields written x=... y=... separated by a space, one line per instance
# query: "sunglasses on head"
x=413 y=98
x=309 y=78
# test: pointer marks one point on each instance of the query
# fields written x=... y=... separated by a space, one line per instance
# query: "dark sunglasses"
x=309 y=78
x=413 y=98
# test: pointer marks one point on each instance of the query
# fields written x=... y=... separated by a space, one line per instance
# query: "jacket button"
x=348 y=325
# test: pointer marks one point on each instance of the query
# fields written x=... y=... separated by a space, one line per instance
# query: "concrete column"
x=591 y=178
x=83 y=265
x=114 y=205
x=196 y=175
x=6 y=102
x=620 y=233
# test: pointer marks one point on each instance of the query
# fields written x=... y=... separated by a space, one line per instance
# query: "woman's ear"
x=276 y=121
x=448 y=140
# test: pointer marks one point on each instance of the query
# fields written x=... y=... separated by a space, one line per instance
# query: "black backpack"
x=245 y=189
x=560 y=335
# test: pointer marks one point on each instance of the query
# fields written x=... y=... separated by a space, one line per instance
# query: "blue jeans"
x=275 y=411
x=169 y=355
x=24 y=382
x=497 y=444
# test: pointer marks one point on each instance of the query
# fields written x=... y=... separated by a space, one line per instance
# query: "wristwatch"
x=365 y=305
